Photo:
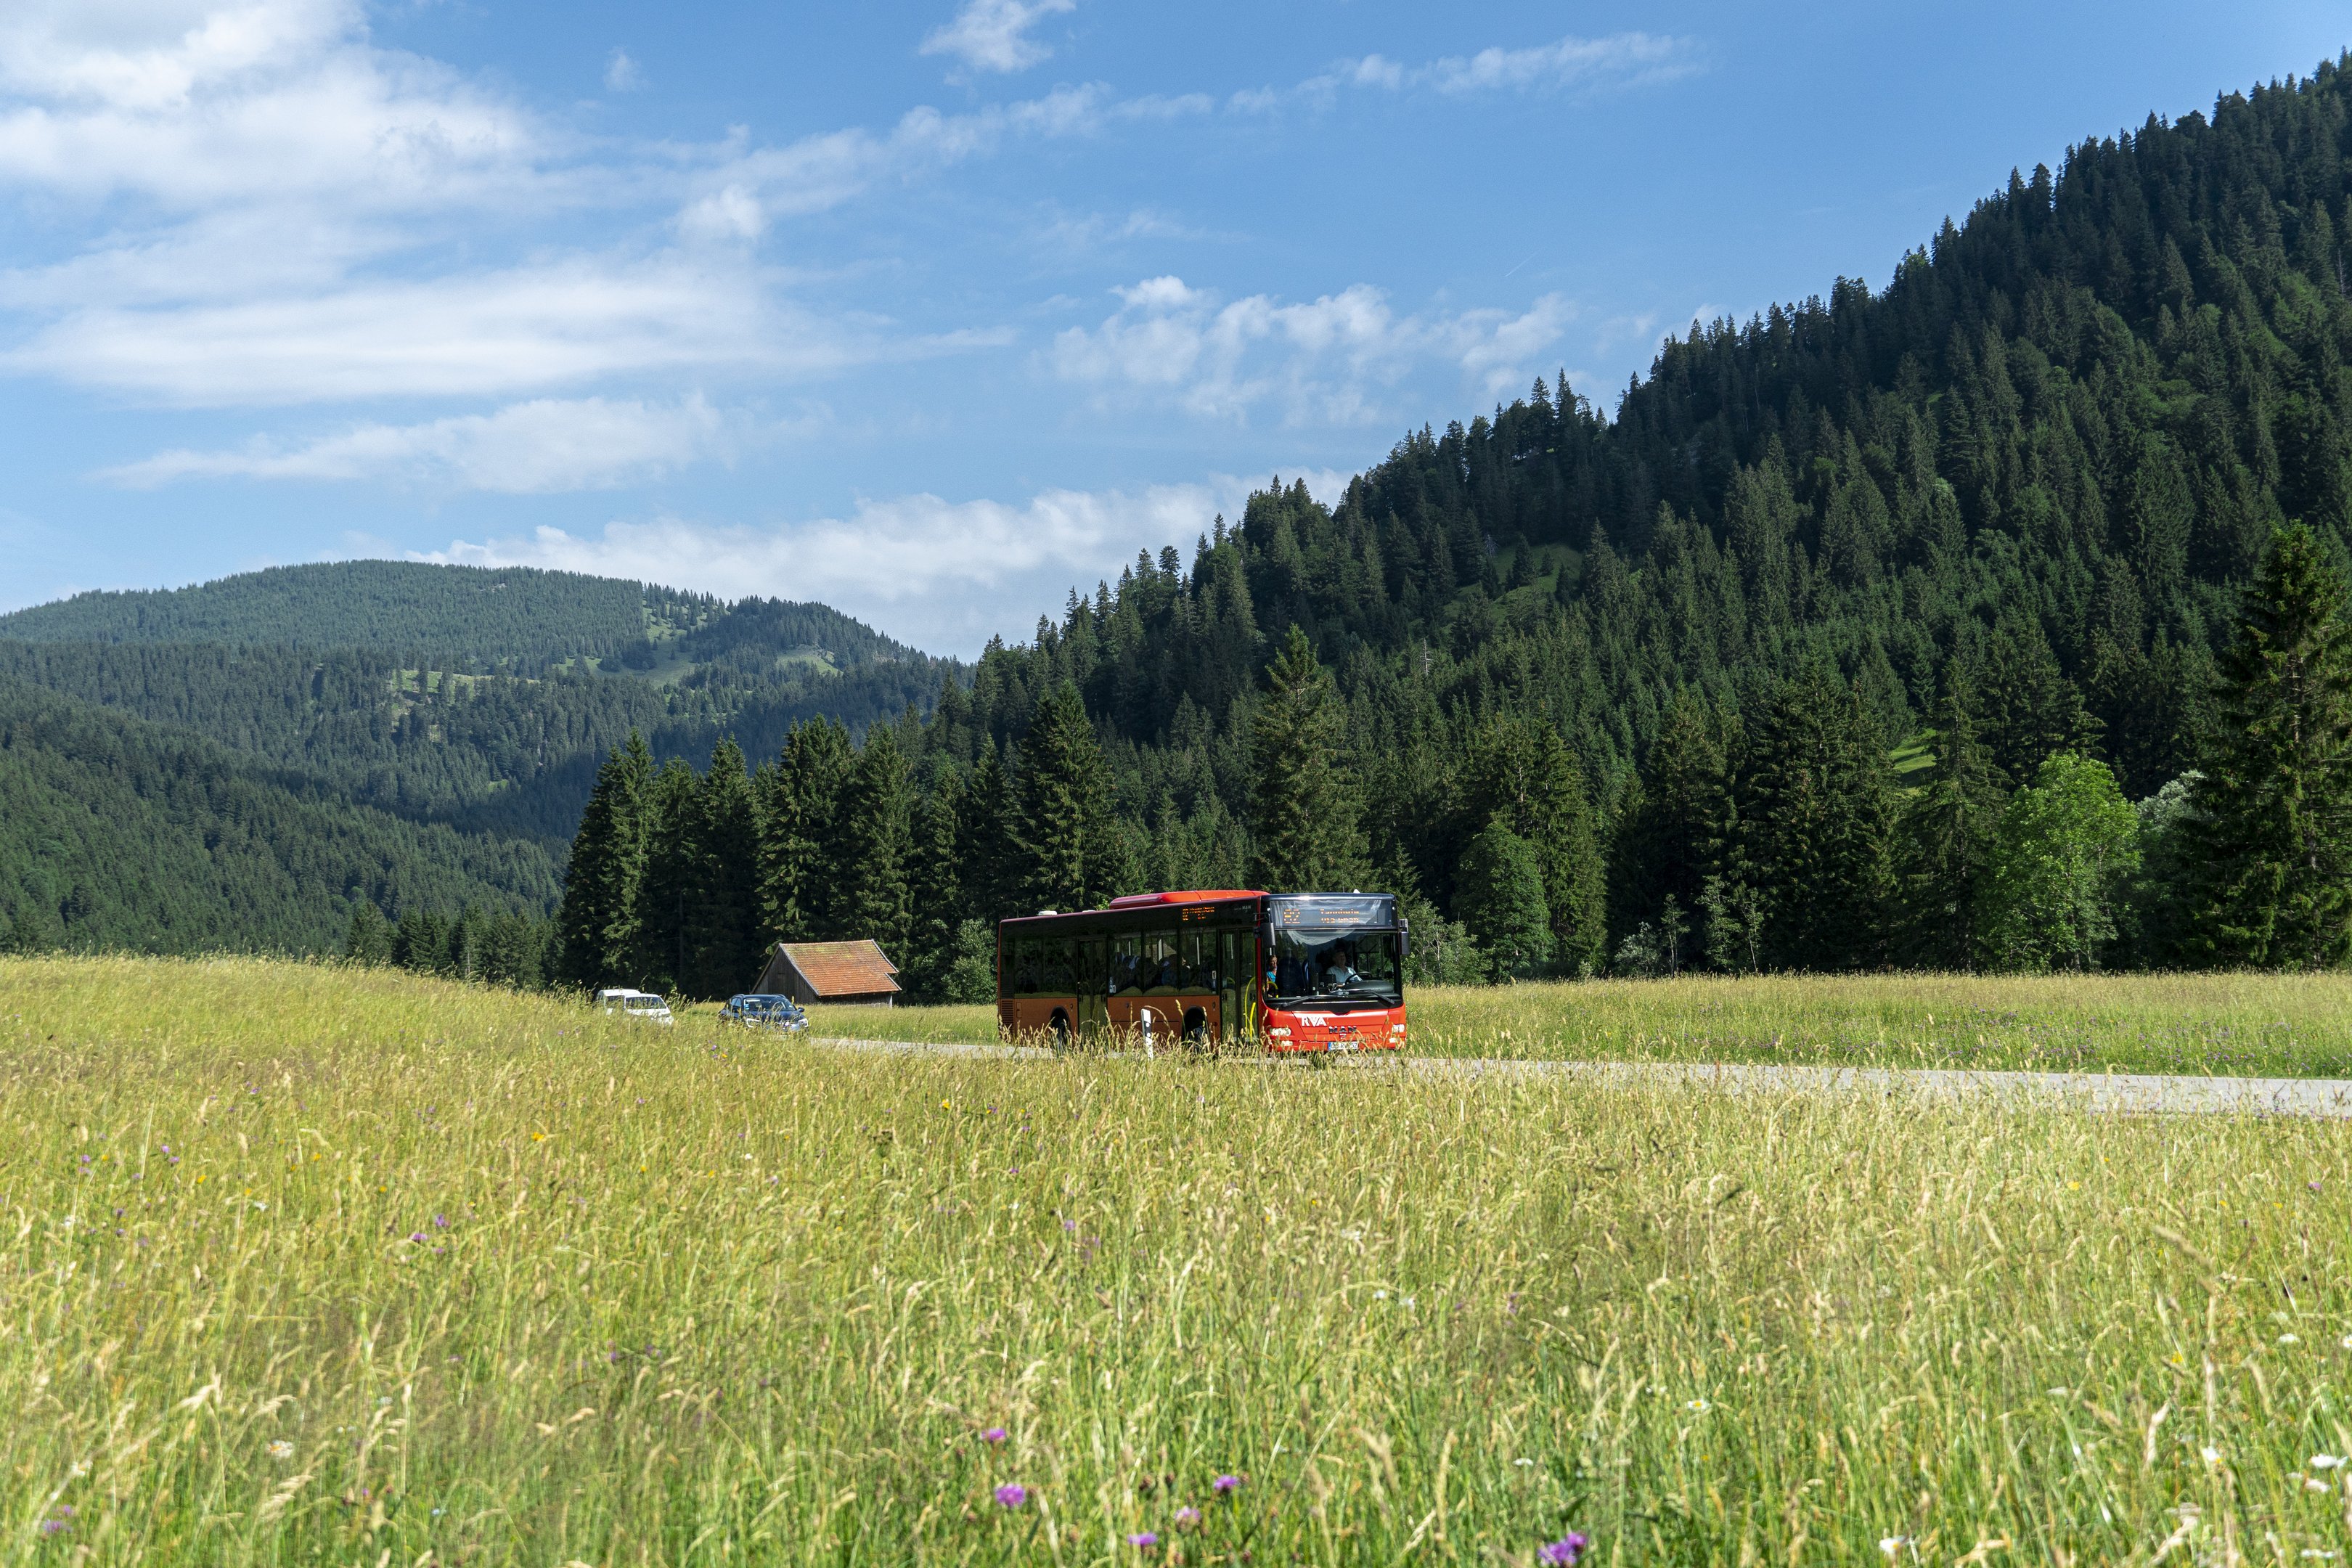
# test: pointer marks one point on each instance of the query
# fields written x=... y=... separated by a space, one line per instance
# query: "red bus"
x=1286 y=972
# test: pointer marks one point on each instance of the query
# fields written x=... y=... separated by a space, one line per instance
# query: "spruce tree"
x=673 y=873
x=991 y=863
x=368 y=943
x=937 y=883
x=1303 y=805
x=874 y=846
x=1522 y=775
x=1815 y=807
x=1946 y=840
x=800 y=798
x=1501 y=900
x=723 y=942
x=597 y=926
x=2272 y=823
x=1671 y=818
x=1064 y=805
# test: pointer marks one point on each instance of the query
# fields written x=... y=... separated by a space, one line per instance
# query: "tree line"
x=1787 y=837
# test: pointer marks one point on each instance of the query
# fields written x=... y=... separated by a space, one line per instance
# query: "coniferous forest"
x=1991 y=619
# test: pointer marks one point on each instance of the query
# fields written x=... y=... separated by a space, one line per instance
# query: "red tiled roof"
x=842 y=968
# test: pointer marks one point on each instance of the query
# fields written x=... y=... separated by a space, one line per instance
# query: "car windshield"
x=644 y=1004
x=1325 y=963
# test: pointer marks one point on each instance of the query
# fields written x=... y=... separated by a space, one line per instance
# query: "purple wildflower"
x=994 y=1434
x=1011 y=1494
x=1187 y=1517
x=439 y=1223
x=1563 y=1552
x=1143 y=1541
x=416 y=1235
x=1224 y=1484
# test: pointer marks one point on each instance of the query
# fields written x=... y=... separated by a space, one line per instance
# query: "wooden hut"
x=836 y=972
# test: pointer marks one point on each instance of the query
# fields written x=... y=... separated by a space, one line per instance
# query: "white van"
x=635 y=1004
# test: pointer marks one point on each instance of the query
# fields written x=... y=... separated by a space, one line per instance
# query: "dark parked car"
x=759 y=1011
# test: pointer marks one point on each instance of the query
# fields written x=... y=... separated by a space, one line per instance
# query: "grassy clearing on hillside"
x=312 y=1266
x=2292 y=1025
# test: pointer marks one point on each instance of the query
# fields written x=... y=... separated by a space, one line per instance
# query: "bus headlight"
x=1278 y=1033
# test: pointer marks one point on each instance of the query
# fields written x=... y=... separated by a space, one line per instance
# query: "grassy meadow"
x=2254 y=1025
x=302 y=1265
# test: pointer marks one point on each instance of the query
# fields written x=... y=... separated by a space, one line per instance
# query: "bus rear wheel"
x=1059 y=1027
x=1196 y=1030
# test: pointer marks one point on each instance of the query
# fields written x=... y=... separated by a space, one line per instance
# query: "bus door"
x=1094 y=970
x=1235 y=956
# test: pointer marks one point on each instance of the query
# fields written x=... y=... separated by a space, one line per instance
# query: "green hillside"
x=500 y=753
x=486 y=616
x=118 y=834
x=481 y=698
x=513 y=618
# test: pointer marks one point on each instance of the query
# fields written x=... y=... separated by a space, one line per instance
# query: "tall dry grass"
x=305 y=1266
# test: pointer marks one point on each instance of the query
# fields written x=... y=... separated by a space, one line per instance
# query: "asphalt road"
x=2112 y=1093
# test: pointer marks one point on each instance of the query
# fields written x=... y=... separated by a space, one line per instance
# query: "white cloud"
x=622 y=74
x=741 y=194
x=482 y=334
x=286 y=213
x=942 y=574
x=190 y=103
x=1321 y=362
x=993 y=35
x=545 y=445
x=1619 y=60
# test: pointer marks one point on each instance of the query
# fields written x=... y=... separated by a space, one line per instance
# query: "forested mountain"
x=479 y=698
x=1845 y=603
x=314 y=705
x=491 y=752
x=485 y=617
x=118 y=834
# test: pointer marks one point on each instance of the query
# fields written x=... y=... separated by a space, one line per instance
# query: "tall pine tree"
x=1303 y=805
x=597 y=926
x=1066 y=832
x=723 y=942
x=875 y=846
x=1815 y=813
x=672 y=879
x=800 y=800
x=1522 y=775
x=2273 y=811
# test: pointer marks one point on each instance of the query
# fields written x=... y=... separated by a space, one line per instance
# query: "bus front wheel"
x=1059 y=1027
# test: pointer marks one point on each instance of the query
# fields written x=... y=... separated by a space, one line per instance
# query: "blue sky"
x=926 y=310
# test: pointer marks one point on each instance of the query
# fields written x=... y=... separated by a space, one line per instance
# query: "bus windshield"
x=1324 y=963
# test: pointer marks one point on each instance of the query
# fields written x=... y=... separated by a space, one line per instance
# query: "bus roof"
x=1197 y=896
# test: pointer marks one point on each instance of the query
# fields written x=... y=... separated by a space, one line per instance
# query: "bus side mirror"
x=1404 y=942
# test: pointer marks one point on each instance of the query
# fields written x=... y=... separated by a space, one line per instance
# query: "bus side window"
x=1161 y=969
x=1057 y=981
x=1123 y=962
x=1024 y=966
x=1200 y=960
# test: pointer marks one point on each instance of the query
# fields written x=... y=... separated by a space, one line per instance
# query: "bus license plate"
x=1342 y=1043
